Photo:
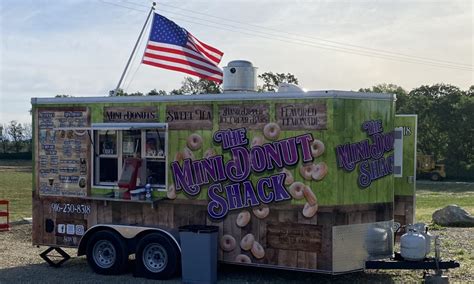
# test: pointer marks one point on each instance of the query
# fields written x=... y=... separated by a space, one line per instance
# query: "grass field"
x=15 y=185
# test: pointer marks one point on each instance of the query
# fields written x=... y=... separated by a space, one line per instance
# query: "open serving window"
x=114 y=143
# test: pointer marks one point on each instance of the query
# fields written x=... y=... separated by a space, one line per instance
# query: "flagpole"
x=134 y=49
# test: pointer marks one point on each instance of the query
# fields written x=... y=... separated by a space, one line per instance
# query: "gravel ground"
x=20 y=263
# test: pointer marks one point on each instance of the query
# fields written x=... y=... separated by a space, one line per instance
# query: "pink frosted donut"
x=271 y=131
x=317 y=148
x=242 y=258
x=296 y=190
x=320 y=171
x=247 y=242
x=309 y=211
x=257 y=250
x=289 y=177
x=257 y=141
x=194 y=141
x=228 y=243
x=310 y=196
x=171 y=192
x=243 y=218
x=210 y=153
x=261 y=212
x=306 y=171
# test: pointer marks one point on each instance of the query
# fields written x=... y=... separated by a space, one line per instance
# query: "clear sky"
x=80 y=47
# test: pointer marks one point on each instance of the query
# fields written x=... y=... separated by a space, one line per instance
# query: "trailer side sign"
x=369 y=153
x=191 y=175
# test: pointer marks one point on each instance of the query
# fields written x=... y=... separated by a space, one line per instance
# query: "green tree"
x=272 y=80
x=16 y=132
x=191 y=86
x=401 y=94
x=154 y=92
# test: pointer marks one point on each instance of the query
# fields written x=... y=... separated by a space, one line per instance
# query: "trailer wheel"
x=156 y=257
x=435 y=177
x=107 y=253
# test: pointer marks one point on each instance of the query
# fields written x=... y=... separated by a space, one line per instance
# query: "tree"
x=3 y=139
x=191 y=86
x=16 y=131
x=28 y=136
x=154 y=92
x=272 y=80
x=401 y=94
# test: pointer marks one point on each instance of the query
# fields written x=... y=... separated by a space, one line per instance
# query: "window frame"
x=119 y=128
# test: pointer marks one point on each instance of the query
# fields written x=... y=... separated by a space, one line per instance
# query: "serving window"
x=114 y=143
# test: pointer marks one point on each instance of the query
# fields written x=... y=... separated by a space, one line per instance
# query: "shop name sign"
x=130 y=114
x=369 y=154
x=229 y=184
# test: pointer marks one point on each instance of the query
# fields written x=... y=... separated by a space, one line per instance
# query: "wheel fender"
x=127 y=232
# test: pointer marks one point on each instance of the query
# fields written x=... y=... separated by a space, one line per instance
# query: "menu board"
x=63 y=151
x=251 y=116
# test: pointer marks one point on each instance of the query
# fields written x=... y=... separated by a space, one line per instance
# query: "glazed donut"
x=257 y=250
x=188 y=154
x=242 y=258
x=320 y=171
x=243 y=218
x=297 y=190
x=271 y=131
x=309 y=211
x=306 y=171
x=261 y=212
x=209 y=153
x=289 y=177
x=309 y=195
x=171 y=193
x=247 y=242
x=228 y=243
x=257 y=141
x=194 y=141
x=317 y=148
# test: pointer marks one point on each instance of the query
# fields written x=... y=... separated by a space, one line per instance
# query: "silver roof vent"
x=240 y=76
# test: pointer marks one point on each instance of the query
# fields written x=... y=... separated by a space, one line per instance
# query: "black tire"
x=435 y=177
x=107 y=253
x=157 y=257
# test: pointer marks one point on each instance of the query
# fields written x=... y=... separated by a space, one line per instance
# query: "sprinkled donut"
x=289 y=177
x=247 y=242
x=243 y=218
x=306 y=171
x=317 y=148
x=194 y=141
x=257 y=141
x=271 y=131
x=171 y=193
x=309 y=195
x=296 y=190
x=228 y=243
x=320 y=170
x=261 y=212
x=257 y=250
x=242 y=258
x=309 y=211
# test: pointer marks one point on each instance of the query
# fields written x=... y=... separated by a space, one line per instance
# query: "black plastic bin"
x=199 y=253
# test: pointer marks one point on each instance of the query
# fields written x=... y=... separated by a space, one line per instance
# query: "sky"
x=80 y=48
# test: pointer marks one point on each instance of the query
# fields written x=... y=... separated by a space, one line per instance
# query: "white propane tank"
x=413 y=245
x=422 y=229
x=376 y=241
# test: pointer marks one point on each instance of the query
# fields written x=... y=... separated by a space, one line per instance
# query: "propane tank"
x=413 y=245
x=423 y=229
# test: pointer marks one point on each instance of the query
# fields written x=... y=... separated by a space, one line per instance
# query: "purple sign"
x=229 y=187
x=368 y=153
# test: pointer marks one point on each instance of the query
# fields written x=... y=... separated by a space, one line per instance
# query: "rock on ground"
x=453 y=216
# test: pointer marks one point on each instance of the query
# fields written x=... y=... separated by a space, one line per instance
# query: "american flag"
x=172 y=47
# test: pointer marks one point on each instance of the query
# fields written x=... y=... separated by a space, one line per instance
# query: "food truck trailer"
x=296 y=180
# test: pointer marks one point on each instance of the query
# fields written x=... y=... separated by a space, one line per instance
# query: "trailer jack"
x=49 y=258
